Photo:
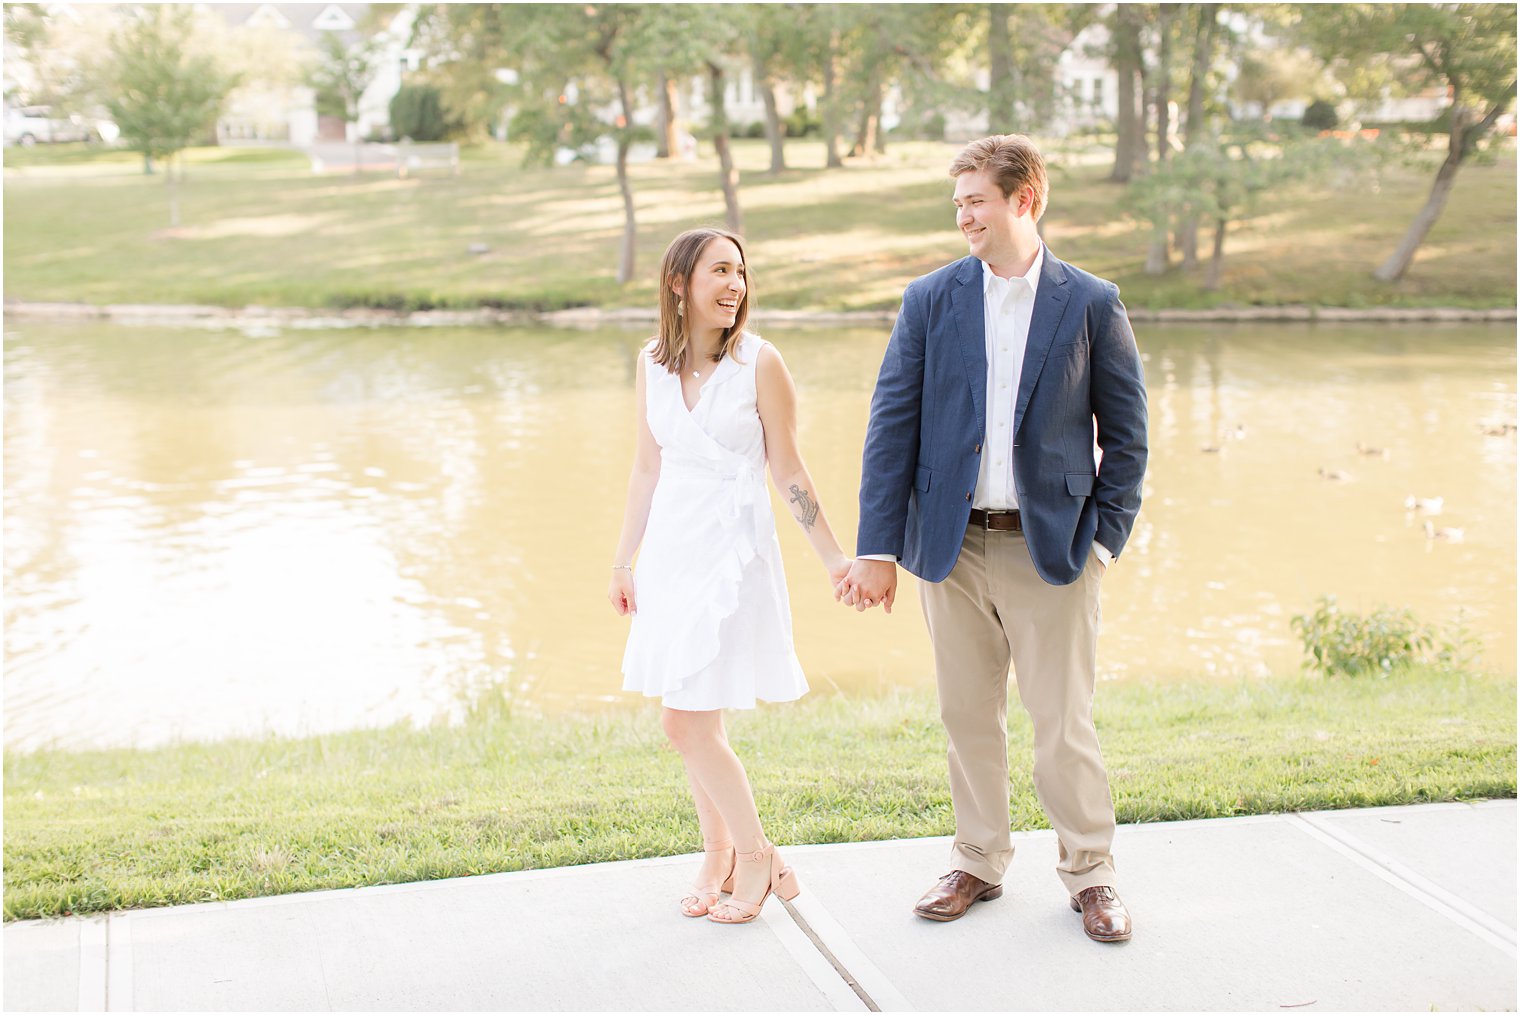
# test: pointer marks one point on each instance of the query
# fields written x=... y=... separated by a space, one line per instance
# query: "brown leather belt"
x=997 y=521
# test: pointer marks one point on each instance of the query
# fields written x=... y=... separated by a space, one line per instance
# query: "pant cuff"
x=974 y=865
x=1100 y=876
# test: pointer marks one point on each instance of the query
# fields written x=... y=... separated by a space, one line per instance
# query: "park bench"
x=411 y=157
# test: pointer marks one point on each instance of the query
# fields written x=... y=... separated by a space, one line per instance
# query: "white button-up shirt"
x=1008 y=305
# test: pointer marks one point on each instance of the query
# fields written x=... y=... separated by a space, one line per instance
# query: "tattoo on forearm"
x=807 y=507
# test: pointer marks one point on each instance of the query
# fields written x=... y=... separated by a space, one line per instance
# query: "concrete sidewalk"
x=1396 y=908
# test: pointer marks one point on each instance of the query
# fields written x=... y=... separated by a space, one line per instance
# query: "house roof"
x=309 y=20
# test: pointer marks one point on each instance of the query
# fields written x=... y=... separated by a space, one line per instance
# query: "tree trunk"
x=831 y=103
x=774 y=133
x=727 y=174
x=1399 y=261
x=1216 y=260
x=868 y=137
x=173 y=186
x=1164 y=16
x=357 y=154
x=1203 y=57
x=1129 y=147
x=629 y=249
x=1464 y=136
x=666 y=141
x=1158 y=258
x=1000 y=66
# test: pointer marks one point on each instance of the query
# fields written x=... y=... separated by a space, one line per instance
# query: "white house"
x=284 y=109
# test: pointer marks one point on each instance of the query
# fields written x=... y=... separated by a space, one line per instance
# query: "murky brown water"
x=212 y=533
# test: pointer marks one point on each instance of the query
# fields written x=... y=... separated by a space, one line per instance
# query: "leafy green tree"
x=343 y=71
x=1205 y=34
x=61 y=57
x=1037 y=35
x=1269 y=76
x=1466 y=49
x=467 y=46
x=417 y=113
x=1223 y=180
x=162 y=94
x=784 y=43
x=907 y=45
x=570 y=61
x=705 y=40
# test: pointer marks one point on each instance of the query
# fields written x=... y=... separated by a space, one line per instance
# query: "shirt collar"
x=1030 y=277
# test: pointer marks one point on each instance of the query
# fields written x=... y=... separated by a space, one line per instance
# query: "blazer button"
x=968 y=496
x=978 y=448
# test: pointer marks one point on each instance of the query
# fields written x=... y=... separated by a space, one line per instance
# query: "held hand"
x=869 y=583
x=837 y=572
x=620 y=592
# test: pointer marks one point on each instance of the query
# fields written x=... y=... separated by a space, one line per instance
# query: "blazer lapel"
x=971 y=331
x=1049 y=307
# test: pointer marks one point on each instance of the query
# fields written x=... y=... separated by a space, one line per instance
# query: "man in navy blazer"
x=1002 y=467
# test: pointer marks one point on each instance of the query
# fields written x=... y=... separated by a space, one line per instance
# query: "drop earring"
x=681 y=308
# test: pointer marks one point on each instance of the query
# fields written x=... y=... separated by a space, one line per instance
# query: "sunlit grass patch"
x=88 y=225
x=114 y=829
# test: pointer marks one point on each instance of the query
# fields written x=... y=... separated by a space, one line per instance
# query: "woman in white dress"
x=712 y=625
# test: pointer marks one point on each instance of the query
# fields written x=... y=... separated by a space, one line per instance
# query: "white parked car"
x=29 y=125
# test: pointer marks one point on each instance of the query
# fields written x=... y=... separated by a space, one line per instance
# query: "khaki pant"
x=992 y=609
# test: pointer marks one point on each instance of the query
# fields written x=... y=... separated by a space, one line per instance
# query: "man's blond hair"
x=1014 y=162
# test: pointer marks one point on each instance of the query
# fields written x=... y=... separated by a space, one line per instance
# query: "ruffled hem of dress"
x=663 y=667
x=734 y=703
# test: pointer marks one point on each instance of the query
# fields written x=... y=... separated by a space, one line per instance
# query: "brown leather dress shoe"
x=954 y=894
x=1104 y=917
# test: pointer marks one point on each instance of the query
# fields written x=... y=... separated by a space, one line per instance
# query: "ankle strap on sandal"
x=755 y=856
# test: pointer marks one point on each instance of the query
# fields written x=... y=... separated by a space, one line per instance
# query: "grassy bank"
x=104 y=830
x=259 y=228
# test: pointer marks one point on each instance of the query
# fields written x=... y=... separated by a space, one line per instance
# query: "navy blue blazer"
x=928 y=423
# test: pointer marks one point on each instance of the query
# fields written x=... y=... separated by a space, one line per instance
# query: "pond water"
x=216 y=533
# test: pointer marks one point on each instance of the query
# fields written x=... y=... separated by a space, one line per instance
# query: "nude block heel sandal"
x=703 y=897
x=783 y=882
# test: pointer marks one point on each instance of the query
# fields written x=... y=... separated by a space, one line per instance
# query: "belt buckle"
x=1013 y=515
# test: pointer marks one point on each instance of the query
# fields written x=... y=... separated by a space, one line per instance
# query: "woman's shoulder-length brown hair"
x=672 y=343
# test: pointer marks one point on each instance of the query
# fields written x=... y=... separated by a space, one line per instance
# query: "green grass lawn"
x=85 y=224
x=104 y=830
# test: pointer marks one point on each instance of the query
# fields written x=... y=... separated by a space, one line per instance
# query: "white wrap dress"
x=714 y=623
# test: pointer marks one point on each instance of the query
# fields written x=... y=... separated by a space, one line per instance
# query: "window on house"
x=1097 y=91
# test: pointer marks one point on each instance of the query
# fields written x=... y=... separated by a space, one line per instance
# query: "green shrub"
x=802 y=124
x=417 y=113
x=1321 y=115
x=1348 y=644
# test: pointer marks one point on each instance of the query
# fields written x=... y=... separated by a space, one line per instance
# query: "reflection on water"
x=212 y=533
